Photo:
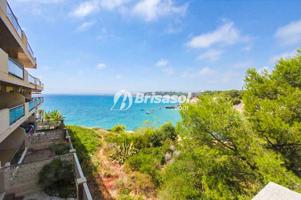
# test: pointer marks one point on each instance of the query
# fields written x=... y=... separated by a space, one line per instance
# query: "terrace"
x=21 y=179
x=13 y=117
x=13 y=38
x=14 y=73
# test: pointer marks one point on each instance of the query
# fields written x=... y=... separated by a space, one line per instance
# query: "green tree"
x=273 y=105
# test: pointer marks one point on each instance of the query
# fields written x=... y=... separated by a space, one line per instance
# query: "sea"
x=96 y=111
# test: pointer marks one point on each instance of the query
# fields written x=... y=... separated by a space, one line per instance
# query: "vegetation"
x=216 y=152
x=57 y=179
x=86 y=142
x=53 y=116
x=235 y=96
x=60 y=149
x=273 y=105
x=119 y=128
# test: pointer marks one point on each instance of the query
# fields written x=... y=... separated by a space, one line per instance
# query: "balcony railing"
x=31 y=105
x=38 y=101
x=16 y=113
x=31 y=79
x=29 y=49
x=13 y=19
x=15 y=69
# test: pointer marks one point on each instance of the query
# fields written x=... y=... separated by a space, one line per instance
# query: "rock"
x=167 y=157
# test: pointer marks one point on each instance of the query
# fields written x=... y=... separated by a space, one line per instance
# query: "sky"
x=102 y=46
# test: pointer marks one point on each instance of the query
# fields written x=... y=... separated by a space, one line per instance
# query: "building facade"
x=19 y=90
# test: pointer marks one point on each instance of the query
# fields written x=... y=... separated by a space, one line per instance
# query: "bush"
x=57 y=179
x=148 y=161
x=53 y=116
x=119 y=128
x=86 y=141
x=168 y=131
x=60 y=149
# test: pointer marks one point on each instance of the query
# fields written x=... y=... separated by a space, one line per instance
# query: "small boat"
x=171 y=107
x=150 y=112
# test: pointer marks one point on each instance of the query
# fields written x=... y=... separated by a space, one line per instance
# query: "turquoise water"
x=95 y=111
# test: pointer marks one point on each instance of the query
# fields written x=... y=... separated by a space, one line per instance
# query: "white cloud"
x=40 y=1
x=211 y=54
x=162 y=63
x=101 y=66
x=287 y=54
x=289 y=34
x=86 y=8
x=164 y=66
x=85 y=26
x=206 y=71
x=111 y=4
x=151 y=10
x=226 y=34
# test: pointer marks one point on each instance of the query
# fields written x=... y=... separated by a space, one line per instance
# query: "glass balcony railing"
x=37 y=101
x=32 y=105
x=29 y=49
x=15 y=69
x=16 y=113
x=13 y=19
x=31 y=79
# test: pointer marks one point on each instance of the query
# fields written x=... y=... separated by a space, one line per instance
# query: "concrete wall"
x=11 y=145
x=14 y=140
x=3 y=60
x=11 y=99
x=45 y=139
x=3 y=6
x=4 y=120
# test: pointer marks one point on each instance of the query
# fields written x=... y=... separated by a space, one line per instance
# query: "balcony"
x=13 y=38
x=12 y=118
x=15 y=69
x=13 y=72
x=31 y=105
x=13 y=19
x=16 y=113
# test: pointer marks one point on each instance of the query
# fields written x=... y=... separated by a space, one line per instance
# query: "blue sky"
x=102 y=46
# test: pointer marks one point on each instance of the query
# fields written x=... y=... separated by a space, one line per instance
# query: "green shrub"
x=148 y=161
x=60 y=149
x=119 y=128
x=57 y=179
x=86 y=141
x=168 y=131
x=54 y=115
x=123 y=151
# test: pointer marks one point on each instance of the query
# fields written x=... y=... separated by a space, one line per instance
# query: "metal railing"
x=13 y=19
x=29 y=49
x=31 y=79
x=83 y=191
x=38 y=101
x=35 y=81
x=16 y=113
x=15 y=69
